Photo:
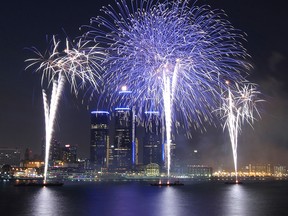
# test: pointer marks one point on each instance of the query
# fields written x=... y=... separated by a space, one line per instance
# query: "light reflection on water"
x=141 y=199
x=236 y=201
x=46 y=202
x=134 y=199
x=171 y=202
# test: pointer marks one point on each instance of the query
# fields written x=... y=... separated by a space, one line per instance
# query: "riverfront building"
x=100 y=152
x=123 y=144
x=152 y=152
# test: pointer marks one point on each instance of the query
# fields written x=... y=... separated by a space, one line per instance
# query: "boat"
x=233 y=182
x=160 y=183
x=38 y=184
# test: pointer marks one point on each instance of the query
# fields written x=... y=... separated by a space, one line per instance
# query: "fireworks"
x=77 y=65
x=175 y=56
x=239 y=106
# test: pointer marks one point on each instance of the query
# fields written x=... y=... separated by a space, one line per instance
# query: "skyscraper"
x=123 y=148
x=69 y=154
x=152 y=152
x=99 y=142
x=55 y=152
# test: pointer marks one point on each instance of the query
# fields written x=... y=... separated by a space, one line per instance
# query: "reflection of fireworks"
x=239 y=107
x=77 y=65
x=171 y=54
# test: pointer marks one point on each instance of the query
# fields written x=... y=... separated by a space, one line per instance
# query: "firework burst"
x=76 y=64
x=175 y=55
x=239 y=106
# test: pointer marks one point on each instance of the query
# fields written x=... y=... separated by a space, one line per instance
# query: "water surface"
x=141 y=199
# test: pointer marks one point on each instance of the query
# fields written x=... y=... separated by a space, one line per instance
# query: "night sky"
x=24 y=24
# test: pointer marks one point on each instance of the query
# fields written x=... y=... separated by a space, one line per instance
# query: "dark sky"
x=27 y=23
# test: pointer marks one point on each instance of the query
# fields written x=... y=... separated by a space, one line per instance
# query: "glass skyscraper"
x=123 y=145
x=99 y=142
x=124 y=151
x=153 y=150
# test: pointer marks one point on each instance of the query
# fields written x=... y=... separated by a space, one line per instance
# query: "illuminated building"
x=258 y=169
x=152 y=152
x=124 y=146
x=31 y=173
x=32 y=164
x=199 y=171
x=10 y=156
x=100 y=152
x=123 y=150
x=279 y=170
x=69 y=154
x=152 y=169
x=55 y=151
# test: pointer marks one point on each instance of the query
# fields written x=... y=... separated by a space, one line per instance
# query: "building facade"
x=152 y=146
x=54 y=153
x=123 y=143
x=100 y=151
x=69 y=154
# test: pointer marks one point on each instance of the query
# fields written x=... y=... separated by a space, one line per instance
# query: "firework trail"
x=239 y=106
x=76 y=64
x=50 y=116
x=177 y=55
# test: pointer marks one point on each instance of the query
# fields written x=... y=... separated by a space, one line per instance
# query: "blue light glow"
x=163 y=152
x=122 y=108
x=125 y=92
x=152 y=112
x=99 y=112
x=133 y=153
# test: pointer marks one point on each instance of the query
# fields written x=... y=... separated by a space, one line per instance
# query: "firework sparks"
x=239 y=106
x=76 y=64
x=175 y=55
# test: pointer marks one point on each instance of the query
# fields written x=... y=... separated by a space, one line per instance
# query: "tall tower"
x=69 y=154
x=124 y=152
x=55 y=151
x=123 y=148
x=99 y=142
x=152 y=152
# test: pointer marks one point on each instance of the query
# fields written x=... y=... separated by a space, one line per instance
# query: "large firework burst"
x=174 y=55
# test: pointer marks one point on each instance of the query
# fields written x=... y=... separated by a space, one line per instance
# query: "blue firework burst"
x=195 y=47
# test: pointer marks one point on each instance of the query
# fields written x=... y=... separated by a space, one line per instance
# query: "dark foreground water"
x=141 y=199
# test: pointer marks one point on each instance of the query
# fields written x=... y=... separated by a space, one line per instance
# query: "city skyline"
x=21 y=105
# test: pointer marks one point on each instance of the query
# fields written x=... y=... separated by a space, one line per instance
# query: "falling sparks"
x=174 y=58
x=76 y=64
x=239 y=106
